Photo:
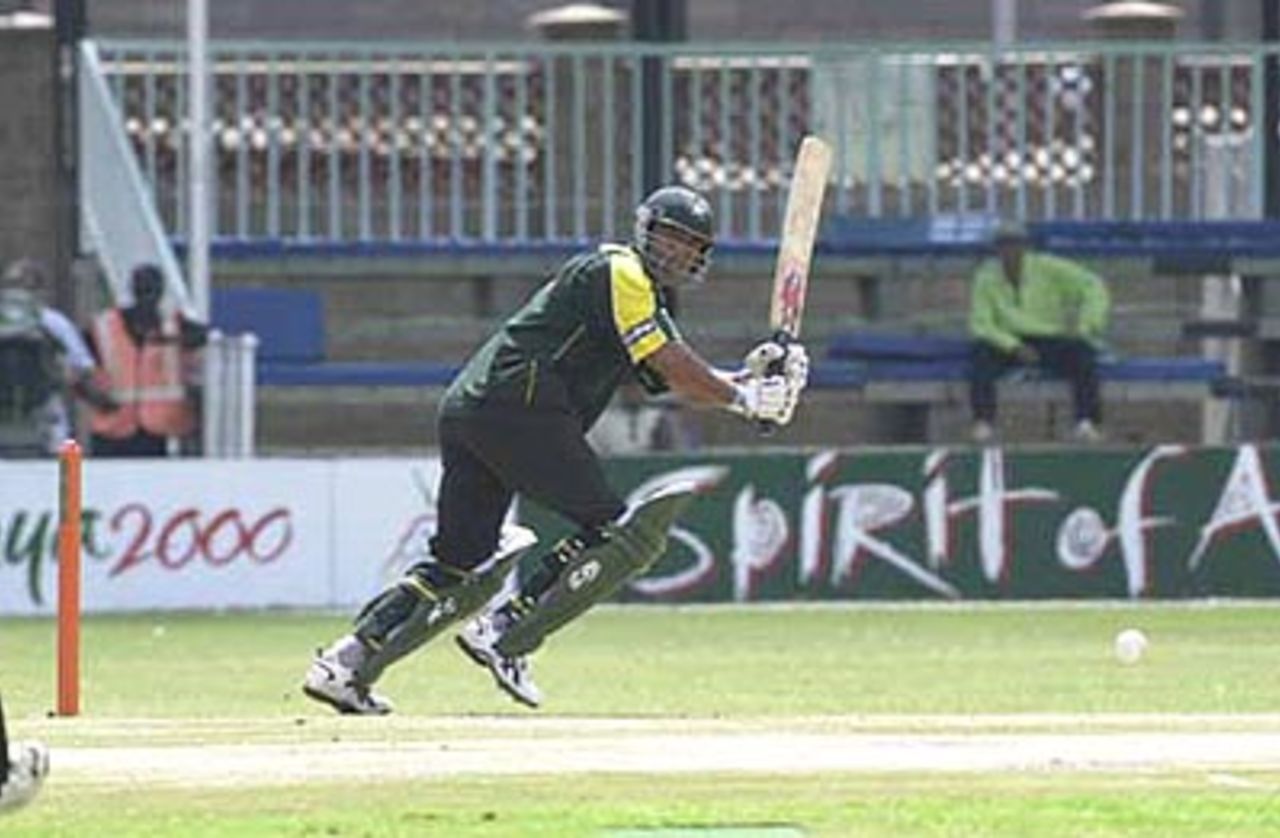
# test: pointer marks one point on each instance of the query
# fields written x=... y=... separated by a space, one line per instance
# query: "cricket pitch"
x=242 y=752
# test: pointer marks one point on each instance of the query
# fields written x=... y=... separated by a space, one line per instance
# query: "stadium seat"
x=289 y=323
x=290 y=327
x=863 y=359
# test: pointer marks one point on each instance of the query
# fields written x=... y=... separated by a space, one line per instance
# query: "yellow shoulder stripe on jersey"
x=635 y=306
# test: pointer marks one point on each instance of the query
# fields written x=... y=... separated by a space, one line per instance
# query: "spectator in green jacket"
x=1033 y=309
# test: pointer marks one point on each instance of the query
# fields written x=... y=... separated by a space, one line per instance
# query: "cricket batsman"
x=515 y=421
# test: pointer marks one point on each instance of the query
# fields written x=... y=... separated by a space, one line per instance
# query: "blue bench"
x=903 y=367
x=1198 y=243
x=290 y=327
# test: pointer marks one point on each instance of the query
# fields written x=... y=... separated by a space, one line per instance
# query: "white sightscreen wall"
x=228 y=534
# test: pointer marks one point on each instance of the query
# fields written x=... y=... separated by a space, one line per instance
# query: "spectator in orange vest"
x=146 y=360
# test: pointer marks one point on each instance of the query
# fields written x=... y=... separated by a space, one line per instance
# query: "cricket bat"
x=799 y=229
x=795 y=247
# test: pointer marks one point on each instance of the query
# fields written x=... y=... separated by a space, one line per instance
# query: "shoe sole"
x=316 y=694
x=342 y=707
x=482 y=660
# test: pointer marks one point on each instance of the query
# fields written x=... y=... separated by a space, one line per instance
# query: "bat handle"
x=782 y=337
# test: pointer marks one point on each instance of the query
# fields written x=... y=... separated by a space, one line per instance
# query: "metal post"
x=213 y=414
x=1004 y=22
x=69 y=27
x=655 y=21
x=1212 y=19
x=571 y=94
x=1270 y=36
x=198 y=96
x=1259 y=301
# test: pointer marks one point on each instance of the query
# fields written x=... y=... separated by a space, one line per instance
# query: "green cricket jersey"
x=575 y=340
x=1056 y=298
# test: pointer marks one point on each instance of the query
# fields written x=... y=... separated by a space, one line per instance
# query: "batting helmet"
x=673 y=235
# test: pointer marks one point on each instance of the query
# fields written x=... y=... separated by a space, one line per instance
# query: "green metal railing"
x=545 y=142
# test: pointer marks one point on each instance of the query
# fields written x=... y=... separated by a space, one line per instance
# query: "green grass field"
x=193 y=725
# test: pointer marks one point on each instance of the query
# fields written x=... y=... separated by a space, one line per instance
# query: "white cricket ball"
x=1130 y=646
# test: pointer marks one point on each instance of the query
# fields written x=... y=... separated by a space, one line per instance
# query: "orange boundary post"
x=69 y=485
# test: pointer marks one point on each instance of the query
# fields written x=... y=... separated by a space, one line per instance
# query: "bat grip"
x=782 y=337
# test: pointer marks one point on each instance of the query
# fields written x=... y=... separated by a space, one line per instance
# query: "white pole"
x=1004 y=22
x=198 y=187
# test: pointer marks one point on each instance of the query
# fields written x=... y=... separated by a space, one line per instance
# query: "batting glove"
x=794 y=358
x=796 y=367
x=762 y=356
x=768 y=399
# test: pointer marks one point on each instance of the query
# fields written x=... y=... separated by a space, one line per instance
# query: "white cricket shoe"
x=1087 y=432
x=28 y=766
x=477 y=640
x=330 y=682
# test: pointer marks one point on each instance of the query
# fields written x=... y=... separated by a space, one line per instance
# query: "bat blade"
x=799 y=230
